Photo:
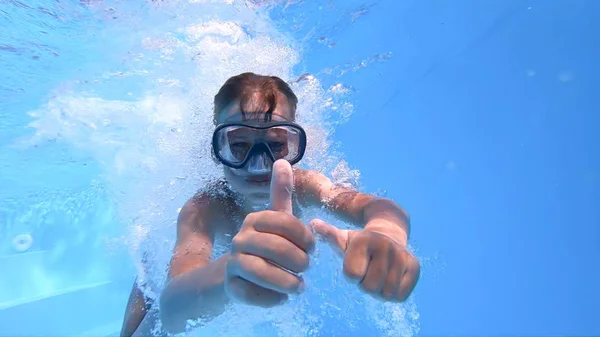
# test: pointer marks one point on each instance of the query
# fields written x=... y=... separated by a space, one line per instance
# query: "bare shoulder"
x=210 y=206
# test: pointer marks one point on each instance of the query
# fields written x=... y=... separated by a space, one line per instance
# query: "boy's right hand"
x=267 y=240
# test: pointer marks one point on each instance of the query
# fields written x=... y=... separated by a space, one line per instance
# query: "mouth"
x=259 y=180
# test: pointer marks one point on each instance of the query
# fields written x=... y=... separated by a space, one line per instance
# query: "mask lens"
x=284 y=142
x=235 y=142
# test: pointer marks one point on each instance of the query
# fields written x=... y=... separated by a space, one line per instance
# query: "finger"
x=288 y=227
x=250 y=293
x=377 y=271
x=410 y=278
x=276 y=249
x=356 y=260
x=393 y=284
x=336 y=237
x=267 y=275
x=282 y=184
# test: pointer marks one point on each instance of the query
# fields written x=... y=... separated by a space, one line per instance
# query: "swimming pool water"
x=113 y=139
x=479 y=117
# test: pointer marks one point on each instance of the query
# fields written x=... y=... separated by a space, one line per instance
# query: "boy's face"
x=253 y=180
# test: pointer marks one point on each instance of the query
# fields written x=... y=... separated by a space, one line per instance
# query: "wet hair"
x=258 y=94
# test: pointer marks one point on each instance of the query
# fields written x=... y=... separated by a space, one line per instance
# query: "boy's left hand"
x=381 y=266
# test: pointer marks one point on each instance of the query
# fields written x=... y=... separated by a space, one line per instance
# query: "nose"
x=259 y=164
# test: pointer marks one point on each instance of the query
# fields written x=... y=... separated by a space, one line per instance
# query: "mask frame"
x=259 y=145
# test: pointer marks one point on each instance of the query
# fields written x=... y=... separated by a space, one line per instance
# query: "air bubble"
x=155 y=153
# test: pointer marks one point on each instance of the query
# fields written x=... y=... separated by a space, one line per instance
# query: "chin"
x=258 y=199
x=258 y=194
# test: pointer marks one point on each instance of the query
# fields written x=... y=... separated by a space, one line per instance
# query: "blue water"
x=480 y=118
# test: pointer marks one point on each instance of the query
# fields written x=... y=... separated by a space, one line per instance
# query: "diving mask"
x=238 y=144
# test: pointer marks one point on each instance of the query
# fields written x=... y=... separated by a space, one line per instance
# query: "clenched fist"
x=381 y=266
x=270 y=249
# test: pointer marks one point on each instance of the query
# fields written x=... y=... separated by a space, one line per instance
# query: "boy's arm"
x=135 y=311
x=364 y=210
x=195 y=286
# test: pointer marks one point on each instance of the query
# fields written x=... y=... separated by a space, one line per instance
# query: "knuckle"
x=310 y=240
x=260 y=220
x=352 y=274
x=300 y=262
x=250 y=219
x=398 y=258
x=243 y=266
x=367 y=287
x=388 y=295
x=415 y=263
x=304 y=262
x=416 y=267
x=237 y=243
x=401 y=297
x=292 y=284
x=412 y=263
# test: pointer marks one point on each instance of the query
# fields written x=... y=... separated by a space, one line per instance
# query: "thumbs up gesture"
x=271 y=246
x=380 y=265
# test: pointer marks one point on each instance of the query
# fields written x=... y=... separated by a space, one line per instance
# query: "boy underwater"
x=257 y=141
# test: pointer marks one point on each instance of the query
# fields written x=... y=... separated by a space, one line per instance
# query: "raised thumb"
x=282 y=185
x=336 y=237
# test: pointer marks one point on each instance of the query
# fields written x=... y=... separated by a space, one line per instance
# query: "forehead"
x=233 y=113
